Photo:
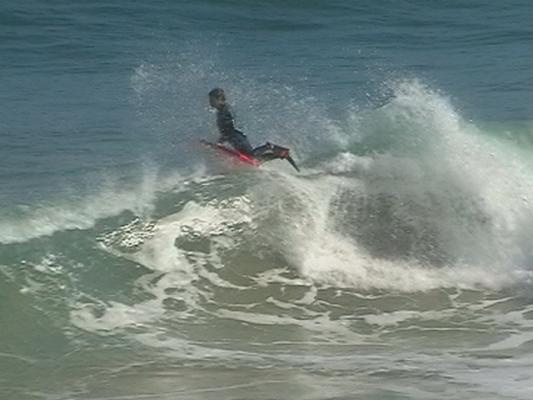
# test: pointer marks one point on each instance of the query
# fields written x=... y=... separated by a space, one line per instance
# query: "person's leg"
x=240 y=143
x=270 y=151
x=263 y=150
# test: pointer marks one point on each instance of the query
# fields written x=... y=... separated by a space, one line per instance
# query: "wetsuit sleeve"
x=227 y=120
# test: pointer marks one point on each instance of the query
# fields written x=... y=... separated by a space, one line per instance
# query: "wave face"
x=397 y=264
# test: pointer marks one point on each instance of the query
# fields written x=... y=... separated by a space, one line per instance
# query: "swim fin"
x=269 y=151
x=291 y=161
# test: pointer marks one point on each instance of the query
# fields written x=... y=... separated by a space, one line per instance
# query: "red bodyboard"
x=231 y=153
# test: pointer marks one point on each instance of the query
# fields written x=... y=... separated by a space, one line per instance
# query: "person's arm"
x=225 y=123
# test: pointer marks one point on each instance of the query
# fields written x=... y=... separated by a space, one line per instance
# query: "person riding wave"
x=237 y=139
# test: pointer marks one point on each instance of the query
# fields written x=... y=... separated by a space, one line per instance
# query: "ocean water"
x=135 y=264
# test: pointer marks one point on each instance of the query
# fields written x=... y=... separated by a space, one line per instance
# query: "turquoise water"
x=136 y=265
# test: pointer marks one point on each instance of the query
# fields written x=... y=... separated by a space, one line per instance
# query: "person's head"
x=217 y=98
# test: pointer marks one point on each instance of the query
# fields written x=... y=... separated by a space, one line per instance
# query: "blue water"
x=396 y=265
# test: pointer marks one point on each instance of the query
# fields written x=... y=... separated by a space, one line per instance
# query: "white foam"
x=109 y=201
x=157 y=251
x=436 y=155
x=115 y=317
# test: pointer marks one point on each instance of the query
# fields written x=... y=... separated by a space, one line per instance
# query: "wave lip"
x=432 y=202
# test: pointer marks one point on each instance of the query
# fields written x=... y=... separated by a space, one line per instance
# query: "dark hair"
x=217 y=93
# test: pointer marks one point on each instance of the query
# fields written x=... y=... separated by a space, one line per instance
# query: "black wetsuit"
x=228 y=133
